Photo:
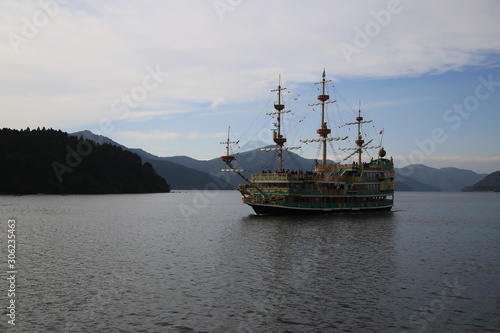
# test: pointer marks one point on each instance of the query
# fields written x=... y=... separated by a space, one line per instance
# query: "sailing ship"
x=360 y=186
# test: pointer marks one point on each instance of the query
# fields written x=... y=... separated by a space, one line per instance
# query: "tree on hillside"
x=50 y=161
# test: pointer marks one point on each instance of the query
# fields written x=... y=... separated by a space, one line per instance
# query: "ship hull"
x=262 y=209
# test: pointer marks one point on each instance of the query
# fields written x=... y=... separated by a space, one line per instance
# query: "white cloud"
x=218 y=101
x=137 y=116
x=90 y=53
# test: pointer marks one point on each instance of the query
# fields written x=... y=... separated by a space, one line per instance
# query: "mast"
x=228 y=157
x=323 y=131
x=228 y=142
x=360 y=143
x=278 y=138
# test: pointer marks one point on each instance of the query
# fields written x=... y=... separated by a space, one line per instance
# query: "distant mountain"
x=252 y=161
x=411 y=178
x=410 y=184
x=402 y=186
x=184 y=172
x=53 y=162
x=178 y=176
x=488 y=183
x=418 y=177
x=183 y=178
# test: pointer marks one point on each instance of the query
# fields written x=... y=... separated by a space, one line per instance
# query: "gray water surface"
x=202 y=262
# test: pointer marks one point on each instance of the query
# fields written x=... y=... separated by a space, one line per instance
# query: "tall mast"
x=278 y=138
x=359 y=141
x=323 y=131
x=228 y=142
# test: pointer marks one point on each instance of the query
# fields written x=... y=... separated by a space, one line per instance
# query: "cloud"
x=383 y=104
x=87 y=54
x=149 y=136
x=168 y=135
x=138 y=116
x=200 y=136
x=218 y=101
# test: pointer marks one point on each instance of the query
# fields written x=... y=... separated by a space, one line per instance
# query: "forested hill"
x=53 y=162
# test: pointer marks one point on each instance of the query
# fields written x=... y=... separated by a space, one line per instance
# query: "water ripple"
x=136 y=263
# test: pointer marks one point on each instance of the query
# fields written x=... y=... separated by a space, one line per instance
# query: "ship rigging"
x=329 y=187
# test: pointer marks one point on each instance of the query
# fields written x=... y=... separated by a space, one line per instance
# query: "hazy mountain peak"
x=88 y=135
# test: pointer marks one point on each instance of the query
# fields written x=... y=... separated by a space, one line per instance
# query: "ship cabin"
x=357 y=185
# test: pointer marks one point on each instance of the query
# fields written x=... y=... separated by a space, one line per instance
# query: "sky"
x=171 y=76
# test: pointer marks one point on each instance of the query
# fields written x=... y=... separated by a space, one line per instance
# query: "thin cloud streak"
x=168 y=136
x=149 y=136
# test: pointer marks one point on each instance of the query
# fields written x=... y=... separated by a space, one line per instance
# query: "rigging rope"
x=265 y=107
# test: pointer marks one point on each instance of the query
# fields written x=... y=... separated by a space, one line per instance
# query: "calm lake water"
x=202 y=262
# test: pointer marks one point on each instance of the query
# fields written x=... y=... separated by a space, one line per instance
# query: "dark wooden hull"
x=283 y=210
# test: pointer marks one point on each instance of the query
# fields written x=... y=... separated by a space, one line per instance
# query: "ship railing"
x=284 y=176
x=385 y=186
x=318 y=177
x=336 y=191
x=275 y=199
x=331 y=191
x=336 y=178
x=271 y=200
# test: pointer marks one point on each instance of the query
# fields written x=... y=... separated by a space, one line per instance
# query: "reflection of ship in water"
x=329 y=187
x=322 y=273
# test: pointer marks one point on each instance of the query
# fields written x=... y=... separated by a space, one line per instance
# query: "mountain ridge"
x=178 y=176
x=489 y=183
x=447 y=179
x=203 y=173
